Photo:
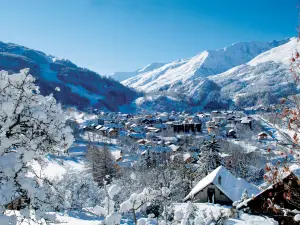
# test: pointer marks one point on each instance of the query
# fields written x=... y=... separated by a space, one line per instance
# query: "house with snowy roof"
x=220 y=186
x=279 y=200
x=262 y=136
x=246 y=122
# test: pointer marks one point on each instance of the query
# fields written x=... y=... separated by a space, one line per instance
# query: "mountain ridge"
x=206 y=63
x=260 y=80
x=77 y=86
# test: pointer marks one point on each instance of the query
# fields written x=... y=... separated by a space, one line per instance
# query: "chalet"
x=113 y=132
x=216 y=113
x=175 y=148
x=229 y=127
x=210 y=123
x=220 y=119
x=262 y=136
x=136 y=135
x=214 y=130
x=152 y=129
x=221 y=187
x=104 y=130
x=231 y=134
x=116 y=126
x=247 y=122
x=143 y=142
x=172 y=140
x=117 y=155
x=136 y=128
x=148 y=121
x=127 y=125
x=229 y=113
x=232 y=120
x=98 y=127
x=284 y=194
x=187 y=158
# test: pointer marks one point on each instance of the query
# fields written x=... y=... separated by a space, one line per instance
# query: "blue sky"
x=123 y=35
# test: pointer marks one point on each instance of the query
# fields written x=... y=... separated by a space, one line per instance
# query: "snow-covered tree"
x=75 y=127
x=31 y=126
x=136 y=202
x=74 y=191
x=209 y=157
x=100 y=163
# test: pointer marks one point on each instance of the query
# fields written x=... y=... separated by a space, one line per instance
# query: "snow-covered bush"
x=74 y=191
x=31 y=126
x=107 y=206
x=137 y=202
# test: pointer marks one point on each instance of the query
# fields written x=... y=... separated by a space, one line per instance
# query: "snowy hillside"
x=76 y=86
x=176 y=74
x=120 y=76
x=262 y=80
x=244 y=74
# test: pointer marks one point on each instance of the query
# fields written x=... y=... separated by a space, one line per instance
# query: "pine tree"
x=100 y=163
x=150 y=160
x=209 y=157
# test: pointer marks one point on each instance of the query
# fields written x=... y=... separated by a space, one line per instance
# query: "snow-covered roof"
x=174 y=147
x=104 y=128
x=111 y=130
x=98 y=127
x=231 y=186
x=170 y=139
x=137 y=135
x=245 y=120
x=116 y=154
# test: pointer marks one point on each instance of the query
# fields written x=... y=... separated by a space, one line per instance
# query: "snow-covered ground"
x=208 y=212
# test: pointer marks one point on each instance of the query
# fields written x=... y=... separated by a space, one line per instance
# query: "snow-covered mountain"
x=176 y=74
x=70 y=84
x=246 y=73
x=121 y=76
x=262 y=80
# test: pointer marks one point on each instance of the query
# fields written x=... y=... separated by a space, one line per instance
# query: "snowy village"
x=207 y=133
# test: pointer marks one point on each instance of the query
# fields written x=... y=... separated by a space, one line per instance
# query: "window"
x=220 y=180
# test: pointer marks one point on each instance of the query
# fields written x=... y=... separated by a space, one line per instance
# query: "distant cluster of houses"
x=169 y=133
x=226 y=123
x=173 y=133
